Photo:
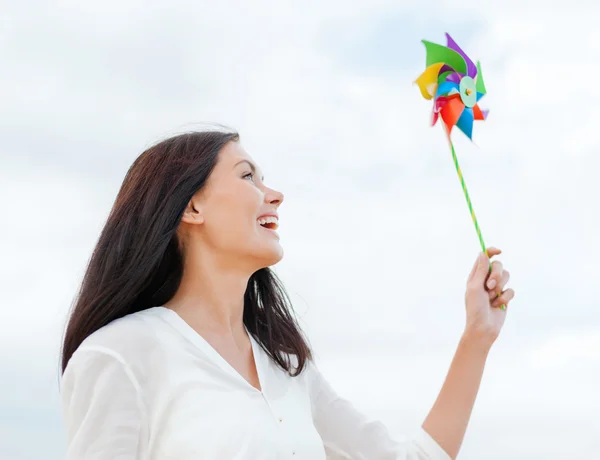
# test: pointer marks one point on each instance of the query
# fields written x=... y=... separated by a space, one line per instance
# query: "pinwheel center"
x=467 y=90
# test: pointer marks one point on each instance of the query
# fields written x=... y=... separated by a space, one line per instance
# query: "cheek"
x=236 y=212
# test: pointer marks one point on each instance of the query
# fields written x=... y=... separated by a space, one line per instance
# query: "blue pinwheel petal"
x=479 y=96
x=446 y=87
x=465 y=122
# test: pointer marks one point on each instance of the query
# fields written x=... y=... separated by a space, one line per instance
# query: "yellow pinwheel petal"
x=428 y=80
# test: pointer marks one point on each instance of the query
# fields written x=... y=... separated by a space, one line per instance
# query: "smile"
x=269 y=222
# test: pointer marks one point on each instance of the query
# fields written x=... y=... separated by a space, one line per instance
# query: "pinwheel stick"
x=466 y=192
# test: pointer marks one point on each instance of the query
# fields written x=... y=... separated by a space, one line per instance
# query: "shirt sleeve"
x=349 y=434
x=102 y=408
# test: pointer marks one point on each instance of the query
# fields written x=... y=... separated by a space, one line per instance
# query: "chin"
x=270 y=256
x=276 y=256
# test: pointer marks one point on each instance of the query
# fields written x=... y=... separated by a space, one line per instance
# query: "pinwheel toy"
x=455 y=84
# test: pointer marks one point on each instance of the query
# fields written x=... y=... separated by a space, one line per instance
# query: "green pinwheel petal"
x=444 y=75
x=438 y=53
x=479 y=84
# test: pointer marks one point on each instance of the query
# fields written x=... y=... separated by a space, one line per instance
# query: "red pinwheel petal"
x=451 y=112
x=478 y=114
x=441 y=100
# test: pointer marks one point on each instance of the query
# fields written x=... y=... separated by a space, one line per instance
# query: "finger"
x=503 y=281
x=494 y=293
x=504 y=299
x=495 y=275
x=481 y=267
x=488 y=254
x=479 y=270
x=493 y=251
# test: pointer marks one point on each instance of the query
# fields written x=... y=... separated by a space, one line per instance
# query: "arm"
x=447 y=422
x=348 y=433
x=102 y=408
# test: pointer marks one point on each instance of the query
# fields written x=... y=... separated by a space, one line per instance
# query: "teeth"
x=268 y=220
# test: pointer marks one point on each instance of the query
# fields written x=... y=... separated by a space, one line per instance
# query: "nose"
x=274 y=197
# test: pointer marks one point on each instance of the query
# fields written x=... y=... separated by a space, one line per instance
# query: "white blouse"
x=147 y=386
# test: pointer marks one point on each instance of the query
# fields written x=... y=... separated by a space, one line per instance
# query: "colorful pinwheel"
x=456 y=85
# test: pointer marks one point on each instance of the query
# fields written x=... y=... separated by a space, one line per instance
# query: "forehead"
x=233 y=152
x=231 y=155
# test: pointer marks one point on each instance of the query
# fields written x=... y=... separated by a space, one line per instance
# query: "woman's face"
x=236 y=213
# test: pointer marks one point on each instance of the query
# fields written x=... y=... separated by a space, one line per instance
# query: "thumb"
x=480 y=270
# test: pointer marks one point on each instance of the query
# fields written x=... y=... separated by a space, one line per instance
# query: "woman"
x=182 y=343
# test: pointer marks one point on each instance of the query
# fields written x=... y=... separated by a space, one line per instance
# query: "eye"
x=251 y=175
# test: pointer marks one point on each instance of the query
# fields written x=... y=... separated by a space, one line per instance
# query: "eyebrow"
x=252 y=167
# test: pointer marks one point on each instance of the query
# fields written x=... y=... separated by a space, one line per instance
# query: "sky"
x=377 y=236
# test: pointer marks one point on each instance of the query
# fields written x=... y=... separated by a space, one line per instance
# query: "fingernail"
x=491 y=284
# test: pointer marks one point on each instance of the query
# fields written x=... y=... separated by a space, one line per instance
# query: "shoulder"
x=132 y=335
x=132 y=341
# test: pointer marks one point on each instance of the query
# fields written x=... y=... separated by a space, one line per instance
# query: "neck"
x=211 y=294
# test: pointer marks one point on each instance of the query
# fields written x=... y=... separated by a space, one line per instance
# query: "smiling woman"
x=183 y=343
x=195 y=194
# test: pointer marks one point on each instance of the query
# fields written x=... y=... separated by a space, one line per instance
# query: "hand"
x=484 y=296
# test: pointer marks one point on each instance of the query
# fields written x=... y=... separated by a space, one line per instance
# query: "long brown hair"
x=137 y=263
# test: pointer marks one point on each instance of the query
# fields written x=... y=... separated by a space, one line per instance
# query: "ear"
x=193 y=212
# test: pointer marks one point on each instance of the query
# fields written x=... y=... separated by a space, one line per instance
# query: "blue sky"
x=322 y=95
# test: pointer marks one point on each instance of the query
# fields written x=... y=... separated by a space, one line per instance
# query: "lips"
x=270 y=222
